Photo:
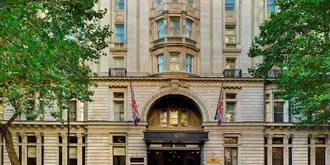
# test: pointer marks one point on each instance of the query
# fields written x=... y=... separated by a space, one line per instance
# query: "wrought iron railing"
x=117 y=72
x=233 y=73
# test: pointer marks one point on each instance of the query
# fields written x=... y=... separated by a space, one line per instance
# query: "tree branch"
x=11 y=120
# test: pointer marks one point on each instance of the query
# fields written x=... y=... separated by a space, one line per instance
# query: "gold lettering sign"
x=73 y=152
x=212 y=160
x=32 y=152
x=119 y=151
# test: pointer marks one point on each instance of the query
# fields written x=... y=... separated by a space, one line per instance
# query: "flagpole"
x=215 y=117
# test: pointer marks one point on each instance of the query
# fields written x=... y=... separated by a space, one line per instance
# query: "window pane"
x=320 y=156
x=277 y=140
x=188 y=28
x=31 y=139
x=190 y=2
x=163 y=118
x=230 y=5
x=184 y=118
x=320 y=140
x=277 y=155
x=120 y=4
x=160 y=26
x=119 y=110
x=188 y=63
x=174 y=118
x=230 y=140
x=230 y=63
x=175 y=65
x=118 y=95
x=120 y=33
x=270 y=6
x=278 y=112
x=160 y=1
x=119 y=139
x=73 y=110
x=174 y=26
x=160 y=62
x=73 y=139
x=230 y=112
x=230 y=156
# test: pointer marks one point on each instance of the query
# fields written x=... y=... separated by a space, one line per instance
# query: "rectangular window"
x=229 y=5
x=278 y=112
x=277 y=140
x=119 y=156
x=188 y=28
x=230 y=140
x=175 y=62
x=160 y=63
x=230 y=111
x=290 y=155
x=270 y=6
x=277 y=155
x=231 y=155
x=230 y=63
x=73 y=156
x=120 y=31
x=163 y=118
x=160 y=28
x=120 y=4
x=188 y=63
x=320 y=155
x=174 y=118
x=174 y=26
x=265 y=156
x=73 y=110
x=119 y=152
x=119 y=110
x=118 y=62
x=267 y=108
x=32 y=150
x=230 y=33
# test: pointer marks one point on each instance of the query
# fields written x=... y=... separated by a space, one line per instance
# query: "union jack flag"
x=135 y=111
x=218 y=114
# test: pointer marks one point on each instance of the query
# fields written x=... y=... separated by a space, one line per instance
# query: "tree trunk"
x=10 y=148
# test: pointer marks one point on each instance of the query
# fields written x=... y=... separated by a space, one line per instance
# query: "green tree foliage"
x=44 y=46
x=296 y=40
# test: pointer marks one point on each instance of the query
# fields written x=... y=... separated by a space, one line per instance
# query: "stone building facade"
x=177 y=54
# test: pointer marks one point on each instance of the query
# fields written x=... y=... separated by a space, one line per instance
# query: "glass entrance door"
x=173 y=157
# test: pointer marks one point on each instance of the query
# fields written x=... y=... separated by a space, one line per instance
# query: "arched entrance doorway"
x=174 y=135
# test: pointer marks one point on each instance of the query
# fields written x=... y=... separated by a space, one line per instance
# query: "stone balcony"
x=174 y=8
x=175 y=40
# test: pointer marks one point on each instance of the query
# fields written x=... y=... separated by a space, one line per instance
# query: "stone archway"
x=175 y=91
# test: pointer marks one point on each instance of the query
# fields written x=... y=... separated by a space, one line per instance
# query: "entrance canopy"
x=175 y=137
